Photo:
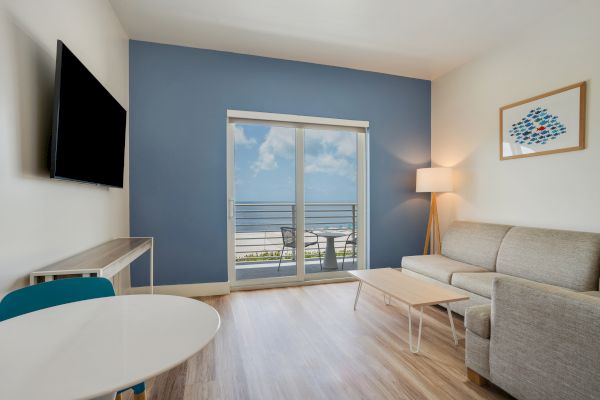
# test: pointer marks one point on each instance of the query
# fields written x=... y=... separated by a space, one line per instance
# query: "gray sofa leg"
x=476 y=378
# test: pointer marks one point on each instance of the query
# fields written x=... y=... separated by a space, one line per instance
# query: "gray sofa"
x=533 y=317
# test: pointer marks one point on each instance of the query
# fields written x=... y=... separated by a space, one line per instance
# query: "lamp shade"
x=434 y=180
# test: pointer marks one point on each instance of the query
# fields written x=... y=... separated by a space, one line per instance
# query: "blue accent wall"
x=179 y=97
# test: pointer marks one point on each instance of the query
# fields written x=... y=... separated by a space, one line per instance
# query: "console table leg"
x=357 y=294
x=152 y=266
x=410 y=340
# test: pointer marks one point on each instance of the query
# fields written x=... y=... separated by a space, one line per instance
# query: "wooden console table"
x=106 y=260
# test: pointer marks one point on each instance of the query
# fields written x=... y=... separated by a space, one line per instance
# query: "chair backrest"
x=53 y=293
x=352 y=238
x=288 y=234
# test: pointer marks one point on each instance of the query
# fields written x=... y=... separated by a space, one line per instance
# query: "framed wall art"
x=552 y=122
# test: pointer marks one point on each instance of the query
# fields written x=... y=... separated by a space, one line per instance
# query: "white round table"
x=330 y=262
x=91 y=349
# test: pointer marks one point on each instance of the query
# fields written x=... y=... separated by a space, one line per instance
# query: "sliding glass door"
x=331 y=198
x=264 y=206
x=296 y=198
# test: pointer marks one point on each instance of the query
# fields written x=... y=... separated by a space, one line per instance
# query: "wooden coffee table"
x=410 y=291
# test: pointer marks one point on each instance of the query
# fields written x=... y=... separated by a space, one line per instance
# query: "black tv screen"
x=88 y=131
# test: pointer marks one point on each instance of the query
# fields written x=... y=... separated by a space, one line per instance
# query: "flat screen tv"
x=88 y=129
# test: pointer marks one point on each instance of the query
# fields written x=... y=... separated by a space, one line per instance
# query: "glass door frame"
x=300 y=123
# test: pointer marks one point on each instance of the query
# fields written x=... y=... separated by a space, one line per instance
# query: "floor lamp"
x=433 y=180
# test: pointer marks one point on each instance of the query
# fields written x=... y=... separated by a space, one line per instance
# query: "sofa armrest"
x=544 y=341
x=477 y=320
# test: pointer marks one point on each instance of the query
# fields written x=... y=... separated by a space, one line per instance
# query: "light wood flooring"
x=307 y=343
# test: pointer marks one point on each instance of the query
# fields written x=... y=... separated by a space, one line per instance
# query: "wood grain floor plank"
x=308 y=343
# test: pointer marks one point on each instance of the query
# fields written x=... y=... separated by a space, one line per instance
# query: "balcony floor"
x=268 y=269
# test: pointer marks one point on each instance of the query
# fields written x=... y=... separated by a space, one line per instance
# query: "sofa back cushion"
x=562 y=258
x=474 y=243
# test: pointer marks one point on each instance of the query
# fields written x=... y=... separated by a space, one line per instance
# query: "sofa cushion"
x=477 y=320
x=479 y=282
x=437 y=267
x=594 y=293
x=474 y=243
x=561 y=258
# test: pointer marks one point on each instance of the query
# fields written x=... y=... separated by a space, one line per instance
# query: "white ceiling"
x=417 y=38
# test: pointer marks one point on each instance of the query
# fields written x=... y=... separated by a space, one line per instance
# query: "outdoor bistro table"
x=330 y=262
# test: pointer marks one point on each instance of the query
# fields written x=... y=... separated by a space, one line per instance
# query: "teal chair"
x=55 y=293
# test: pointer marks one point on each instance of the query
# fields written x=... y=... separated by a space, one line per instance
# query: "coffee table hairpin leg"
x=387 y=299
x=452 y=324
x=410 y=335
x=357 y=294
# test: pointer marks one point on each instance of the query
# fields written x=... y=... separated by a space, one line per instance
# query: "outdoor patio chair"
x=288 y=234
x=350 y=240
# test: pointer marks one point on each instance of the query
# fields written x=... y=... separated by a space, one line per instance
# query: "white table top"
x=91 y=348
x=330 y=234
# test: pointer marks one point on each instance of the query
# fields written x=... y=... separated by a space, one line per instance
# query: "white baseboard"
x=274 y=285
x=188 y=290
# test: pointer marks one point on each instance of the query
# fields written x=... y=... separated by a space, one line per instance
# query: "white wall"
x=44 y=220
x=558 y=191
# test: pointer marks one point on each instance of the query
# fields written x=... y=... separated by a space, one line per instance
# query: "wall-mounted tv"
x=88 y=129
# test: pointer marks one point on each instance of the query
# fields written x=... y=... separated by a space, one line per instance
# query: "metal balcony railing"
x=258 y=229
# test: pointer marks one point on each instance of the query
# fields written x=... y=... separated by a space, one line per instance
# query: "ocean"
x=271 y=216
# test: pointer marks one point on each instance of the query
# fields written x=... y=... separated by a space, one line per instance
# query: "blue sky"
x=265 y=164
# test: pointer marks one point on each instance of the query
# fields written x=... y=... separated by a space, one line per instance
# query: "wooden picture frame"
x=533 y=132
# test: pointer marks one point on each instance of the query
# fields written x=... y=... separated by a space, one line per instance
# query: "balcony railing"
x=258 y=226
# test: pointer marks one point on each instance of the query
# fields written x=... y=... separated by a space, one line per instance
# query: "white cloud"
x=241 y=138
x=327 y=152
x=341 y=143
x=328 y=163
x=279 y=142
x=331 y=152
